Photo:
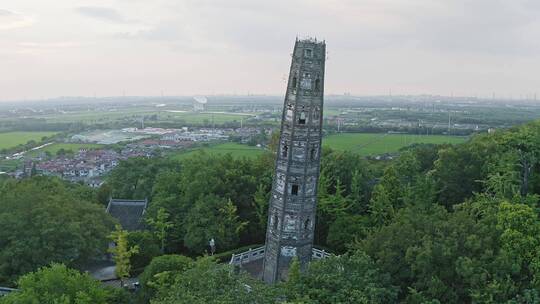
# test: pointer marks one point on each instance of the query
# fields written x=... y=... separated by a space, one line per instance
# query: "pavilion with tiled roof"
x=129 y=213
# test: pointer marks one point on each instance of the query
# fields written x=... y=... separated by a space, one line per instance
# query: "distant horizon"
x=530 y=98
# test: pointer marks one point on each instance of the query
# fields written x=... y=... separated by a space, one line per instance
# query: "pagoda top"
x=310 y=40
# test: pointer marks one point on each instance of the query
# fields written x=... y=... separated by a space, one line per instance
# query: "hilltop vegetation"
x=439 y=224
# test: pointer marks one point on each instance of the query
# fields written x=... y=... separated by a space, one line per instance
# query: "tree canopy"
x=57 y=284
x=44 y=220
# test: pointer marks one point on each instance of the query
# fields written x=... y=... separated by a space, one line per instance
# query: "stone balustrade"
x=258 y=253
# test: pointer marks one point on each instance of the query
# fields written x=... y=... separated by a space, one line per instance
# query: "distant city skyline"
x=204 y=47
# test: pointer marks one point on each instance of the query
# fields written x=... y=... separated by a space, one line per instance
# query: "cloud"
x=11 y=20
x=41 y=48
x=103 y=14
x=176 y=36
x=491 y=27
x=49 y=45
x=481 y=26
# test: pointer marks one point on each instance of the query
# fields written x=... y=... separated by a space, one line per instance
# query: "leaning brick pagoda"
x=293 y=202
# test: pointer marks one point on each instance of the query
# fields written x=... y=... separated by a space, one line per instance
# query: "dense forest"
x=439 y=224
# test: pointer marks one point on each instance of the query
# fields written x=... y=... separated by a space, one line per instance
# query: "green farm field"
x=94 y=117
x=362 y=143
x=331 y=112
x=203 y=117
x=57 y=146
x=162 y=115
x=377 y=143
x=236 y=150
x=13 y=139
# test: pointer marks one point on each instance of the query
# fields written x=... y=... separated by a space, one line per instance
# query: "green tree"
x=134 y=178
x=104 y=194
x=160 y=225
x=503 y=180
x=359 y=193
x=330 y=207
x=212 y=217
x=149 y=248
x=274 y=142
x=122 y=253
x=294 y=271
x=342 y=166
x=381 y=207
x=43 y=215
x=460 y=169
x=204 y=175
x=167 y=194
x=350 y=278
x=407 y=167
x=57 y=284
x=260 y=204
x=520 y=236
x=524 y=142
x=171 y=265
x=425 y=155
x=482 y=252
x=394 y=184
x=347 y=230
x=207 y=282
x=421 y=193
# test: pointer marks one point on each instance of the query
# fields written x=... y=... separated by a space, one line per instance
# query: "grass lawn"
x=57 y=146
x=378 y=143
x=12 y=139
x=236 y=150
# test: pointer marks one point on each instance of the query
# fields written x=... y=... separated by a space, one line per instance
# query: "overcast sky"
x=184 y=47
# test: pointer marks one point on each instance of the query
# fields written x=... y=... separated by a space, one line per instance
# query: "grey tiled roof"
x=128 y=212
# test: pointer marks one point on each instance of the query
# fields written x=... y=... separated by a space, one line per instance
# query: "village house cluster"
x=212 y=134
x=89 y=166
x=86 y=166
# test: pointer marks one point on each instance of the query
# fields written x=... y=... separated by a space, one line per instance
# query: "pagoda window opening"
x=307 y=224
x=285 y=150
x=302 y=118
x=294 y=189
